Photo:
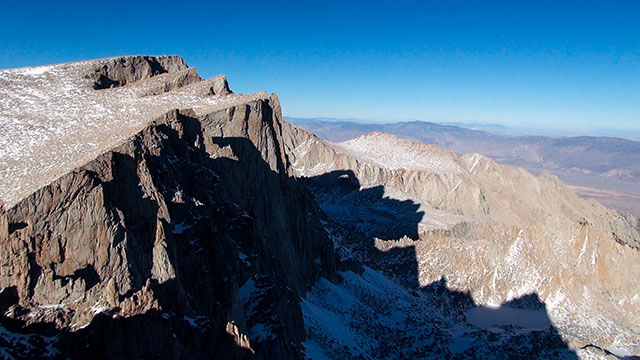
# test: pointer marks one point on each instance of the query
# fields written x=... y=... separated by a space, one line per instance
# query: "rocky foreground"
x=151 y=214
x=143 y=251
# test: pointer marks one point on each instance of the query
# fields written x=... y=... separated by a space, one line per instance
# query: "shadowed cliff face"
x=189 y=240
x=431 y=321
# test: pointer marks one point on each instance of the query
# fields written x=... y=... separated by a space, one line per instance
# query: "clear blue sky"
x=544 y=63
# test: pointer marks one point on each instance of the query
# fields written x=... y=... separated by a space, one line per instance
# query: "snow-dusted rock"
x=136 y=213
x=494 y=232
x=53 y=120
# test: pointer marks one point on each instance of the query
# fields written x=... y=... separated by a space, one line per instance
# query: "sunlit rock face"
x=495 y=233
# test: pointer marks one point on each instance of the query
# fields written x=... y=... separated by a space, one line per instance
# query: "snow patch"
x=391 y=152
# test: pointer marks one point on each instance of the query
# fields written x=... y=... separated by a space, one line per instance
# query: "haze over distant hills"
x=604 y=168
x=532 y=129
x=525 y=129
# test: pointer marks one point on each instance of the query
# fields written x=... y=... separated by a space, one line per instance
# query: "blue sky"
x=547 y=64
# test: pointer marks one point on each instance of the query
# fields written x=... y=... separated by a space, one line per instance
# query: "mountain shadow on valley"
x=519 y=329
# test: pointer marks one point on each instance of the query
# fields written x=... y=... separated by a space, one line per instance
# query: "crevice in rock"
x=8 y=296
x=87 y=273
x=34 y=272
x=16 y=226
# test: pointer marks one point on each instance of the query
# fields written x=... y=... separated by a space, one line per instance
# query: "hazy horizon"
x=500 y=129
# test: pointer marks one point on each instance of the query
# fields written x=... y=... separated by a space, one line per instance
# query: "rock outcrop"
x=127 y=69
x=188 y=239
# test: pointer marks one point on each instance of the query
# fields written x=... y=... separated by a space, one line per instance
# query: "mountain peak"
x=395 y=153
x=57 y=117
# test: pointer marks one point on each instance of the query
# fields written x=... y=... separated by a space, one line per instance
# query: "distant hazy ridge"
x=604 y=168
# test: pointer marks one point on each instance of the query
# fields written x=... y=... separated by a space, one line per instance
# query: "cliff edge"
x=177 y=232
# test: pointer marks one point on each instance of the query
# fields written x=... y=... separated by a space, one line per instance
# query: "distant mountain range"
x=605 y=168
x=499 y=129
x=506 y=130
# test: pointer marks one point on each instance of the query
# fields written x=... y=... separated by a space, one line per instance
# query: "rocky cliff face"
x=187 y=239
x=124 y=70
x=494 y=233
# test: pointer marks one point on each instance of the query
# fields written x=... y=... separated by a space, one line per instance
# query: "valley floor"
x=613 y=193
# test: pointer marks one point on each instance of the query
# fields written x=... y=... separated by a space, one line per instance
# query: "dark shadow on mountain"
x=222 y=216
x=87 y=274
x=529 y=301
x=519 y=329
x=339 y=195
x=151 y=335
x=16 y=226
x=124 y=197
